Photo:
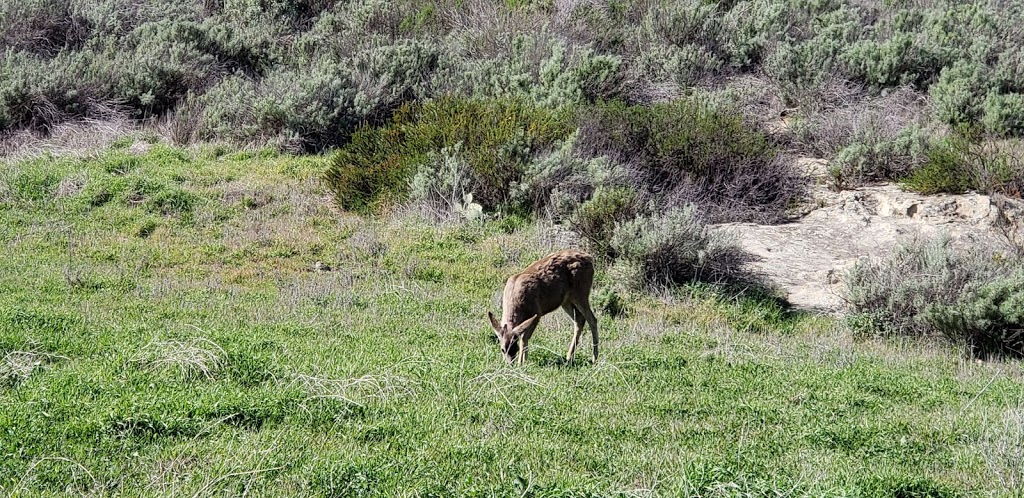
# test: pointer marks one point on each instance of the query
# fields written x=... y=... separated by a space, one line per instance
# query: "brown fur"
x=559 y=280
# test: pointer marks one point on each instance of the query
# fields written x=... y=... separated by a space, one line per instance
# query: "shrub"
x=748 y=29
x=988 y=320
x=683 y=66
x=389 y=75
x=673 y=248
x=43 y=27
x=596 y=219
x=440 y=187
x=539 y=69
x=305 y=109
x=37 y=93
x=965 y=160
x=162 y=62
x=872 y=158
x=1004 y=114
x=803 y=70
x=497 y=137
x=690 y=152
x=889 y=296
x=890 y=63
x=858 y=118
x=1008 y=73
x=557 y=183
x=959 y=93
x=683 y=23
x=945 y=171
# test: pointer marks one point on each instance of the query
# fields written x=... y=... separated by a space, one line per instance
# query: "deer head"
x=508 y=336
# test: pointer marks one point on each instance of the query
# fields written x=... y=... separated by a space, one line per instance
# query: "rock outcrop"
x=807 y=258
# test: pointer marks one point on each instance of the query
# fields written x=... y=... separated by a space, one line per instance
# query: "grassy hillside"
x=178 y=318
x=165 y=330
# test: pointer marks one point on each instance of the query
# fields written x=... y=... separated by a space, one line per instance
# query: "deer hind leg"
x=583 y=305
x=579 y=319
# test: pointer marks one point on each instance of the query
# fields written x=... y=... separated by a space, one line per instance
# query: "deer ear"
x=494 y=323
x=525 y=325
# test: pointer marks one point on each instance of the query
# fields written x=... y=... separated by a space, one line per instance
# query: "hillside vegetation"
x=272 y=276
x=875 y=85
x=165 y=329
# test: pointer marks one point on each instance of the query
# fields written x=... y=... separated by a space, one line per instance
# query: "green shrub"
x=891 y=63
x=37 y=93
x=1004 y=114
x=538 y=69
x=872 y=158
x=1008 y=73
x=440 y=187
x=687 y=151
x=683 y=23
x=609 y=302
x=946 y=170
x=43 y=27
x=557 y=183
x=959 y=93
x=390 y=74
x=989 y=319
x=803 y=70
x=889 y=296
x=497 y=137
x=749 y=28
x=672 y=248
x=967 y=160
x=299 y=110
x=596 y=219
x=684 y=66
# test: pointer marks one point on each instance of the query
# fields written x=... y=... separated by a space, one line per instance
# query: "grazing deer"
x=561 y=279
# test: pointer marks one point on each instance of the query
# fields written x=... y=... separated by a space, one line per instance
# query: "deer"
x=561 y=279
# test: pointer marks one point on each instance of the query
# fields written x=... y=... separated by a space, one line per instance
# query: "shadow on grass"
x=551 y=359
x=749 y=305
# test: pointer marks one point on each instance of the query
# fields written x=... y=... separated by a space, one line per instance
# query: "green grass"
x=162 y=333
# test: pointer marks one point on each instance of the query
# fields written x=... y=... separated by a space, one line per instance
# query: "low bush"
x=967 y=161
x=597 y=218
x=989 y=320
x=43 y=27
x=872 y=157
x=688 y=151
x=960 y=92
x=945 y=171
x=890 y=296
x=557 y=183
x=672 y=248
x=1003 y=114
x=496 y=139
x=537 y=68
x=683 y=66
x=440 y=187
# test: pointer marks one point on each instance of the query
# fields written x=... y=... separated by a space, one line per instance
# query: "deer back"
x=546 y=284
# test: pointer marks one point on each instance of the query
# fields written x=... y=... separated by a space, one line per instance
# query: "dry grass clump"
x=354 y=391
x=17 y=366
x=1002 y=447
x=73 y=138
x=198 y=357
